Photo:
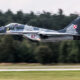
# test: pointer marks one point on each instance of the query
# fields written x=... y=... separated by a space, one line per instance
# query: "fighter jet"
x=70 y=32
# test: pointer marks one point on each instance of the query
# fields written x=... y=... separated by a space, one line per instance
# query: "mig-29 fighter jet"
x=71 y=32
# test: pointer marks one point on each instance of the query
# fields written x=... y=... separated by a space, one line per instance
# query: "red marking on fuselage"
x=33 y=36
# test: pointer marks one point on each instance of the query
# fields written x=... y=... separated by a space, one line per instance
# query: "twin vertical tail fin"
x=73 y=28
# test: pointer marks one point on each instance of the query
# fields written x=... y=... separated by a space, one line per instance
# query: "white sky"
x=69 y=6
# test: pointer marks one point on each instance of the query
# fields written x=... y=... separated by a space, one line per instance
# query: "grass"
x=43 y=75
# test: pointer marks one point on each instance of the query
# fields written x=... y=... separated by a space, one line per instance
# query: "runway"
x=39 y=69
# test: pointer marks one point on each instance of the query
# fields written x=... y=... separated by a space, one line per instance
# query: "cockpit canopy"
x=15 y=26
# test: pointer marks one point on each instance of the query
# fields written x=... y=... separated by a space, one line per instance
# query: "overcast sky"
x=69 y=6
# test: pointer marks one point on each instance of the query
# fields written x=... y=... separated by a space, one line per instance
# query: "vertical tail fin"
x=73 y=28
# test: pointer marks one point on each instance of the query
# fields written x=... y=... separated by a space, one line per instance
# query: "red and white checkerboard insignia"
x=75 y=26
x=32 y=36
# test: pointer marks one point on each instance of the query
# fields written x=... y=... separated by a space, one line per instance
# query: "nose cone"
x=2 y=29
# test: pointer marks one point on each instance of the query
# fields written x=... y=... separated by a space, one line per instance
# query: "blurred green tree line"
x=18 y=49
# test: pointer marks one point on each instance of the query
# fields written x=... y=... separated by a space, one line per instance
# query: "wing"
x=52 y=33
